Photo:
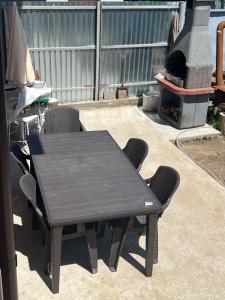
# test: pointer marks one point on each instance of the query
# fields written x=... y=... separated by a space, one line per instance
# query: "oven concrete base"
x=192 y=109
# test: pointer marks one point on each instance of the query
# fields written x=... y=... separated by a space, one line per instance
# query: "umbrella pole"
x=7 y=248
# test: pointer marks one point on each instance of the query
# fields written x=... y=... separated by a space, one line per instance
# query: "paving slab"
x=171 y=133
x=191 y=232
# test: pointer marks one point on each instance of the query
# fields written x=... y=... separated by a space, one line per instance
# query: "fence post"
x=98 y=48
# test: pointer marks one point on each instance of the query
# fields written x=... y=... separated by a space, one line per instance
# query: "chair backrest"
x=18 y=155
x=164 y=183
x=62 y=119
x=28 y=186
x=136 y=150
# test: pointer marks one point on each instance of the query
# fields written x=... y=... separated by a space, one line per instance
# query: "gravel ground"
x=210 y=153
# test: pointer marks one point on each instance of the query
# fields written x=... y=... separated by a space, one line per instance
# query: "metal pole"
x=1 y=293
x=2 y=33
x=7 y=248
x=182 y=10
x=98 y=48
x=219 y=53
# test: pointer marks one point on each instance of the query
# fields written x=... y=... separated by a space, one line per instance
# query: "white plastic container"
x=151 y=101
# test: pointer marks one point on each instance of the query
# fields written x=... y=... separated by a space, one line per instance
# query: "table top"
x=85 y=177
x=71 y=143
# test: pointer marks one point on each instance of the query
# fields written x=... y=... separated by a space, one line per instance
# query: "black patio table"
x=85 y=177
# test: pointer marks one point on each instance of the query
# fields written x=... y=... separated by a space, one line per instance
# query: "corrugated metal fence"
x=219 y=4
x=82 y=50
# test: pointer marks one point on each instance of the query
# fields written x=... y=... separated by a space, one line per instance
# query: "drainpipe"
x=219 y=53
x=7 y=248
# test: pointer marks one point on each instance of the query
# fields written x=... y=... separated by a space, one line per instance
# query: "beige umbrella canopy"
x=19 y=66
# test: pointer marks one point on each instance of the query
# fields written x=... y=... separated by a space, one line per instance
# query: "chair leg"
x=156 y=246
x=22 y=131
x=27 y=130
x=47 y=257
x=35 y=222
x=90 y=234
x=118 y=236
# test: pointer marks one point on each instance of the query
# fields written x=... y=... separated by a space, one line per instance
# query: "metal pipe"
x=7 y=248
x=130 y=46
x=220 y=11
x=219 y=53
x=75 y=48
x=98 y=50
x=113 y=7
x=93 y=47
x=104 y=86
x=55 y=7
x=141 y=7
x=131 y=84
x=73 y=88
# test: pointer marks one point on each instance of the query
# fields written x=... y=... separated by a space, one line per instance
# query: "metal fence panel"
x=138 y=64
x=135 y=27
x=52 y=38
x=62 y=42
x=131 y=66
x=219 y=3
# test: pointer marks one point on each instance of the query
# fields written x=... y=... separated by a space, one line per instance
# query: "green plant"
x=213 y=118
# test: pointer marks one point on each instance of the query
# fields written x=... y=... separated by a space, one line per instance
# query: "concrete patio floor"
x=191 y=232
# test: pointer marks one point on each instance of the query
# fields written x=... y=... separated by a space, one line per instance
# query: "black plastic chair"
x=62 y=119
x=136 y=150
x=20 y=157
x=28 y=187
x=164 y=183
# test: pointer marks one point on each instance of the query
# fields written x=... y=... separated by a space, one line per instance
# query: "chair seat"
x=26 y=118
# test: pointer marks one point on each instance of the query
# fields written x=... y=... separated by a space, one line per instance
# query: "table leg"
x=151 y=227
x=47 y=259
x=118 y=236
x=56 y=244
x=35 y=221
x=90 y=233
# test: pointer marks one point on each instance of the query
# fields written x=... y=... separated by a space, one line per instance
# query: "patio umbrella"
x=174 y=30
x=19 y=66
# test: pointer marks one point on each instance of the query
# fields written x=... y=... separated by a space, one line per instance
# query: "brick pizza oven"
x=186 y=84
